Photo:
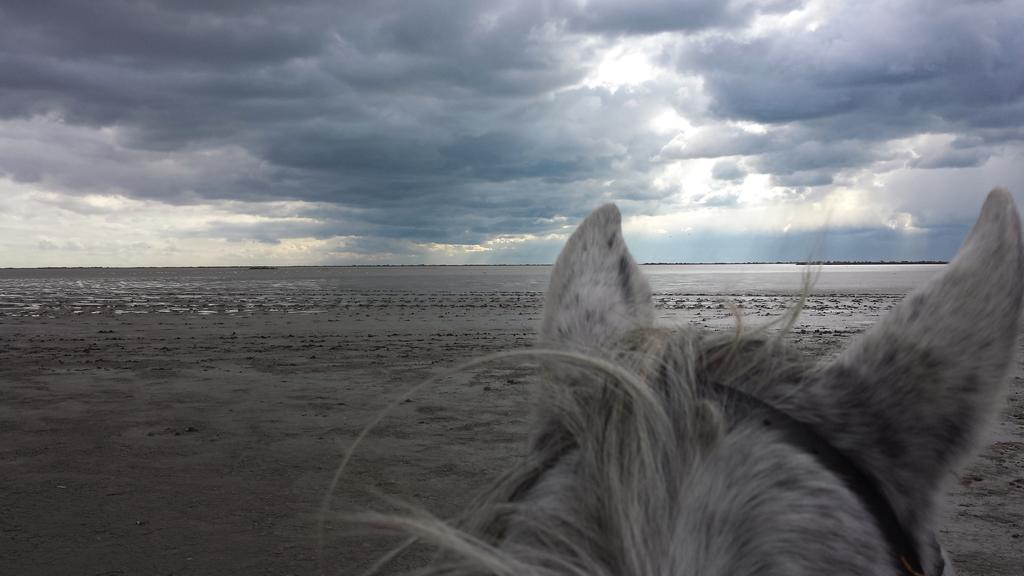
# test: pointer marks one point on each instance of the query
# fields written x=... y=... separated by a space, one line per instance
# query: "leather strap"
x=745 y=407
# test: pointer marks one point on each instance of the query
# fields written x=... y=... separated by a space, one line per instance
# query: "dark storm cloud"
x=728 y=170
x=801 y=179
x=365 y=104
x=814 y=155
x=453 y=122
x=781 y=151
x=168 y=32
x=653 y=16
x=952 y=159
x=878 y=60
x=871 y=72
x=647 y=16
x=383 y=88
x=150 y=65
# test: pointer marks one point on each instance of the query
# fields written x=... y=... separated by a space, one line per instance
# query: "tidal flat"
x=189 y=422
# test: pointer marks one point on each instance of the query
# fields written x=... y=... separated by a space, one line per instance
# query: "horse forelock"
x=613 y=462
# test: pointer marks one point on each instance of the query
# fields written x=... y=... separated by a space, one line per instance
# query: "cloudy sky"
x=204 y=132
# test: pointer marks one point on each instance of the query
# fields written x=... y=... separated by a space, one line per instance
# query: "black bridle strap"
x=743 y=406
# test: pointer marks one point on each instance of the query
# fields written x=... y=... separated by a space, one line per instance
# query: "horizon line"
x=281 y=266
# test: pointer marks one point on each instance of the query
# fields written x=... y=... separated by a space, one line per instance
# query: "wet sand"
x=203 y=444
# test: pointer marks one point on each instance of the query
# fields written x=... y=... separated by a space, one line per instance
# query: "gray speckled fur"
x=659 y=481
x=909 y=399
x=595 y=293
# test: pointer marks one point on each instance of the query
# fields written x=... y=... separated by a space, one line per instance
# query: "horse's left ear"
x=597 y=291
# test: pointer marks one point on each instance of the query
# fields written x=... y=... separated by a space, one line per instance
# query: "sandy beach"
x=203 y=444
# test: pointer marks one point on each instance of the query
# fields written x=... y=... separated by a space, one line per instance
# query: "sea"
x=52 y=292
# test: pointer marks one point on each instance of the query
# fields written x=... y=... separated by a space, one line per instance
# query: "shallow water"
x=313 y=290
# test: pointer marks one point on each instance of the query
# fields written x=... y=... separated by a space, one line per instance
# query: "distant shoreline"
x=259 y=267
x=812 y=263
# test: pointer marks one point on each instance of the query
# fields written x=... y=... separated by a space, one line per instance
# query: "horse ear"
x=597 y=291
x=909 y=398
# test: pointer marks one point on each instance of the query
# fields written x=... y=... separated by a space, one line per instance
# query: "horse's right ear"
x=597 y=291
x=910 y=397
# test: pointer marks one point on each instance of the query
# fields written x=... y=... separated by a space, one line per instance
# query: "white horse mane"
x=635 y=469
